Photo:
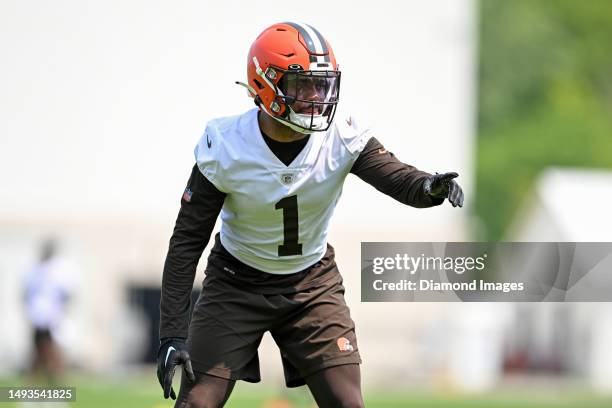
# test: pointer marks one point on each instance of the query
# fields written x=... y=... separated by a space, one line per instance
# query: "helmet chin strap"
x=288 y=124
x=315 y=122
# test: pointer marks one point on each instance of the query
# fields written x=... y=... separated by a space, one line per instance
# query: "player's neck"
x=276 y=130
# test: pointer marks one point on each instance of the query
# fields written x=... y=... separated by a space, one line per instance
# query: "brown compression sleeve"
x=200 y=206
x=381 y=169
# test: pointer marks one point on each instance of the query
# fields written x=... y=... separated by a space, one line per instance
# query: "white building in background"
x=568 y=205
x=103 y=102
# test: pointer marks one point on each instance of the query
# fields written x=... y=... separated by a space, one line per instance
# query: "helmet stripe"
x=317 y=38
x=314 y=40
x=321 y=41
x=320 y=45
x=307 y=37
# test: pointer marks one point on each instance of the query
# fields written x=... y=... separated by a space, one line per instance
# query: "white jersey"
x=275 y=217
x=47 y=287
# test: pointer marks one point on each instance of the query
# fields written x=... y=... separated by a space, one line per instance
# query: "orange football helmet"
x=293 y=76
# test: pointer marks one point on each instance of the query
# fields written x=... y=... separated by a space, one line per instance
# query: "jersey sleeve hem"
x=210 y=176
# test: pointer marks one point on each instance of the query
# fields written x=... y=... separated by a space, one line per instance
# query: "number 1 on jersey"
x=290 y=245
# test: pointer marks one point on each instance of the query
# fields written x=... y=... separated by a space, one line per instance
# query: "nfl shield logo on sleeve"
x=187 y=195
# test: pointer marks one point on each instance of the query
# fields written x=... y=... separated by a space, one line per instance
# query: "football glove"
x=172 y=352
x=443 y=186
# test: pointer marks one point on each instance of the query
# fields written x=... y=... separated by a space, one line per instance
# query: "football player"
x=275 y=174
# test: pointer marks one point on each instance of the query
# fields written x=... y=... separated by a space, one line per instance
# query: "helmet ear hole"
x=259 y=84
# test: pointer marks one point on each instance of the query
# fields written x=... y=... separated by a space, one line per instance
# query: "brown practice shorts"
x=305 y=312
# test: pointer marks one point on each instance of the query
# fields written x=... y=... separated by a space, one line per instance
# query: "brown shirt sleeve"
x=200 y=207
x=381 y=169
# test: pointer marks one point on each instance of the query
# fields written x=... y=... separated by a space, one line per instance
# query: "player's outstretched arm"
x=407 y=184
x=200 y=206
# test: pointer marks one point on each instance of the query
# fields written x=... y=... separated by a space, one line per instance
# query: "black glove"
x=172 y=352
x=443 y=186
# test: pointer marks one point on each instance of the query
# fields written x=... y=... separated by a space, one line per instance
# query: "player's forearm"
x=381 y=169
x=200 y=207
x=177 y=283
x=409 y=189
x=186 y=247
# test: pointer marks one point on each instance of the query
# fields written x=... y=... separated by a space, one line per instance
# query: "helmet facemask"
x=309 y=99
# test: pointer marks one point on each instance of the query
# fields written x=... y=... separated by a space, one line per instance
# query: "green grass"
x=141 y=390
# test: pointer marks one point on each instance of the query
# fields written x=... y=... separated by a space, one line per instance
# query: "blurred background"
x=102 y=103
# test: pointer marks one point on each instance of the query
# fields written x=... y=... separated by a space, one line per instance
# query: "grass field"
x=142 y=391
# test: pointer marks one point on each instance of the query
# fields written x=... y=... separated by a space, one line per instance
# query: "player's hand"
x=172 y=352
x=443 y=186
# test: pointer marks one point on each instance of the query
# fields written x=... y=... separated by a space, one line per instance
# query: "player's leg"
x=224 y=334
x=38 y=362
x=48 y=355
x=207 y=391
x=56 y=366
x=337 y=386
x=318 y=341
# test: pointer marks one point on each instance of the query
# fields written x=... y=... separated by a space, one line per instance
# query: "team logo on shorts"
x=286 y=178
x=344 y=344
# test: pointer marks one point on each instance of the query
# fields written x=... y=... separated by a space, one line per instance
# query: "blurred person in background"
x=47 y=292
x=275 y=174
